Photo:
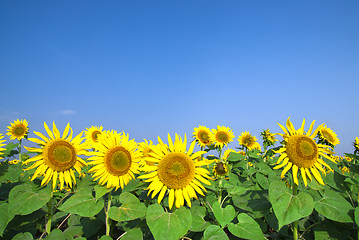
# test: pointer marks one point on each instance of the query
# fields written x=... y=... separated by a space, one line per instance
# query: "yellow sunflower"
x=356 y=145
x=248 y=141
x=203 y=136
x=220 y=169
x=268 y=137
x=57 y=156
x=326 y=135
x=115 y=159
x=222 y=136
x=301 y=152
x=91 y=134
x=18 y=129
x=177 y=172
x=145 y=148
x=1 y=144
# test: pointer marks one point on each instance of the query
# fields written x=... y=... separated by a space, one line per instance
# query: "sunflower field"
x=101 y=184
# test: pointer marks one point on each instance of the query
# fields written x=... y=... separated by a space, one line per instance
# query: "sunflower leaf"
x=166 y=225
x=223 y=215
x=214 y=232
x=198 y=222
x=82 y=203
x=246 y=228
x=334 y=207
x=130 y=209
x=288 y=207
x=6 y=217
x=25 y=198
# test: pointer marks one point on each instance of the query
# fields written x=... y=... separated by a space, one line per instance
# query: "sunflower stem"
x=108 y=220
x=49 y=216
x=20 y=157
x=295 y=224
x=220 y=190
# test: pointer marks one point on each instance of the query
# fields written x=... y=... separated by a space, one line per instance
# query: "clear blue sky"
x=153 y=67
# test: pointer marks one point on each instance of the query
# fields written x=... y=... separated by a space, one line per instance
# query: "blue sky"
x=155 y=67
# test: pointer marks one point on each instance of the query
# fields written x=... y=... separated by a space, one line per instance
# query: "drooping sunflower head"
x=248 y=141
x=203 y=136
x=177 y=172
x=57 y=156
x=301 y=152
x=91 y=135
x=268 y=137
x=115 y=160
x=221 y=169
x=1 y=145
x=328 y=136
x=222 y=136
x=18 y=129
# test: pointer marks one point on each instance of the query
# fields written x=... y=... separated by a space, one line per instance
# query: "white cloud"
x=67 y=112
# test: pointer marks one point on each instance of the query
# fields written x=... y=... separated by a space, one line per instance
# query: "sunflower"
x=57 y=156
x=115 y=159
x=91 y=134
x=248 y=141
x=327 y=136
x=356 y=145
x=301 y=152
x=268 y=137
x=1 y=144
x=221 y=168
x=203 y=136
x=177 y=172
x=145 y=148
x=222 y=136
x=18 y=129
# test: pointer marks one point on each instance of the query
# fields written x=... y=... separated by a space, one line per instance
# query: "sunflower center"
x=60 y=155
x=220 y=169
x=18 y=131
x=203 y=136
x=95 y=135
x=248 y=141
x=302 y=151
x=222 y=137
x=176 y=170
x=118 y=161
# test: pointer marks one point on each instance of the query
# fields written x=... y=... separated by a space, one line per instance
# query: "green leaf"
x=104 y=237
x=130 y=209
x=133 y=234
x=198 y=222
x=214 y=232
x=168 y=226
x=56 y=234
x=23 y=236
x=262 y=180
x=356 y=215
x=288 y=207
x=246 y=228
x=234 y=157
x=254 y=201
x=334 y=230
x=334 y=207
x=83 y=204
x=6 y=217
x=100 y=191
x=25 y=199
x=73 y=232
x=223 y=215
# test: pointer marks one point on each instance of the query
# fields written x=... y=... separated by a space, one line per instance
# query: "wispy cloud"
x=67 y=112
x=60 y=53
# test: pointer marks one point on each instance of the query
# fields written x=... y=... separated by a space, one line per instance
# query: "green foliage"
x=288 y=207
x=246 y=228
x=130 y=209
x=166 y=225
